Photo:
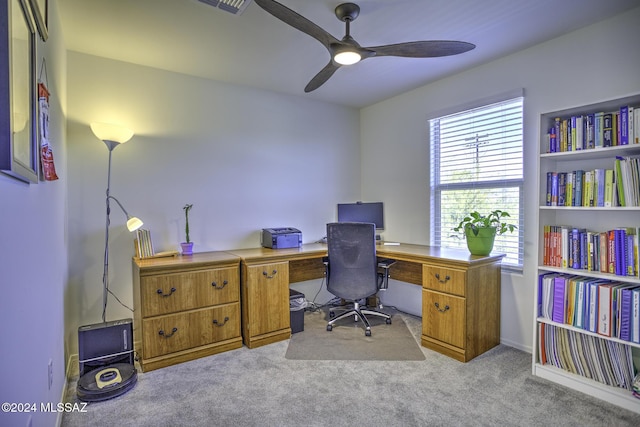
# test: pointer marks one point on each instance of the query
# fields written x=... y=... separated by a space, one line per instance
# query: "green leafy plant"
x=475 y=221
x=187 y=208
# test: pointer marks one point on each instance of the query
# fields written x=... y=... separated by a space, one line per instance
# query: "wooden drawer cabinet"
x=265 y=299
x=162 y=294
x=174 y=332
x=443 y=318
x=186 y=307
x=445 y=280
x=461 y=308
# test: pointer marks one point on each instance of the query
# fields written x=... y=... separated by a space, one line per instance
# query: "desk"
x=460 y=293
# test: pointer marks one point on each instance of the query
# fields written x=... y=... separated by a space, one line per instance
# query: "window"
x=476 y=164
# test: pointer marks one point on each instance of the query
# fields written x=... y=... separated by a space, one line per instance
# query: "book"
x=636 y=126
x=589 y=131
x=607 y=130
x=635 y=316
x=579 y=182
x=564 y=245
x=632 y=130
x=598 y=129
x=587 y=189
x=599 y=178
x=608 y=188
x=562 y=188
x=580 y=300
x=575 y=248
x=569 y=190
x=624 y=125
x=625 y=310
x=554 y=189
x=605 y=298
x=559 y=299
x=611 y=252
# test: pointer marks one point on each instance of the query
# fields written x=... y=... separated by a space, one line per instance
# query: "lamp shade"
x=113 y=133
x=133 y=223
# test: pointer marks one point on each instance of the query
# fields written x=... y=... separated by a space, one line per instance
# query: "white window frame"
x=515 y=257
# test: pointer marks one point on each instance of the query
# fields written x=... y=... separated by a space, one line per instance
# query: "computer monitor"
x=362 y=212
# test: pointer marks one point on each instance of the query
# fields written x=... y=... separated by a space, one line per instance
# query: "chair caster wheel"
x=329 y=328
x=367 y=333
x=332 y=314
x=388 y=321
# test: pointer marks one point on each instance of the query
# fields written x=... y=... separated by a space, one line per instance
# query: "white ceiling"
x=258 y=50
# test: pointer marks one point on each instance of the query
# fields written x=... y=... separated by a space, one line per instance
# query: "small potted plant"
x=187 y=247
x=481 y=230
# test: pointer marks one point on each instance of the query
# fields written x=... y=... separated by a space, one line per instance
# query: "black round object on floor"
x=106 y=382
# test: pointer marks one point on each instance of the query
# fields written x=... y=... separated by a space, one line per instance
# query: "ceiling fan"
x=347 y=51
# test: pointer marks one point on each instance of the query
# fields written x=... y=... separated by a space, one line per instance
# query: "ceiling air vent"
x=232 y=6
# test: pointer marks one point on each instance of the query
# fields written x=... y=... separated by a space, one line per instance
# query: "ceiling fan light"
x=347 y=57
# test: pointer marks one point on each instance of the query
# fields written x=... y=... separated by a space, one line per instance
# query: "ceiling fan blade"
x=423 y=49
x=297 y=21
x=322 y=76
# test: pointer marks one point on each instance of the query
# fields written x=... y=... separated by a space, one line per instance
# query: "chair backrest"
x=352 y=272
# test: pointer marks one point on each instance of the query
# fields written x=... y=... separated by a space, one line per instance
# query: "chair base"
x=359 y=313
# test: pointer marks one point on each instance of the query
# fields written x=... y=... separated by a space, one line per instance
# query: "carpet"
x=347 y=340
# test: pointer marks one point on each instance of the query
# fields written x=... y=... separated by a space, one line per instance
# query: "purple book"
x=559 y=299
x=625 y=314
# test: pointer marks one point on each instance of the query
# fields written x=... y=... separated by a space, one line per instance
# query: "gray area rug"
x=260 y=387
x=347 y=340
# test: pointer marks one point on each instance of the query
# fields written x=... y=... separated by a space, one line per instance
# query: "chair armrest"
x=386 y=263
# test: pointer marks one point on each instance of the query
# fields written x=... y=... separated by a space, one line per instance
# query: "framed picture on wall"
x=18 y=124
x=41 y=15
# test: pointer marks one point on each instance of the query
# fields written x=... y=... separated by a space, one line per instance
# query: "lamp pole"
x=112 y=136
x=105 y=275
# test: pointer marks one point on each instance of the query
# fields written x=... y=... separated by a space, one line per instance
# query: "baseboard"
x=516 y=345
x=73 y=367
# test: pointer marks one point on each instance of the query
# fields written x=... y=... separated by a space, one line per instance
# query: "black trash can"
x=297 y=304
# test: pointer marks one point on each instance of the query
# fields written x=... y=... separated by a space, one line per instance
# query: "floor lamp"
x=112 y=136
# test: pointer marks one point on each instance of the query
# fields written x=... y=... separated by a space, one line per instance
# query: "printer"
x=280 y=238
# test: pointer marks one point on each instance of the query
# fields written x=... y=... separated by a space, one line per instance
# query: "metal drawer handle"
x=160 y=292
x=273 y=274
x=173 y=331
x=215 y=322
x=215 y=285
x=446 y=278
x=446 y=307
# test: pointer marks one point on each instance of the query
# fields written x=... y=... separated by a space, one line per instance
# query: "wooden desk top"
x=306 y=251
x=179 y=262
x=421 y=253
x=404 y=252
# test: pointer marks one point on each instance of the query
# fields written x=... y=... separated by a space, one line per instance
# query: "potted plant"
x=187 y=247
x=480 y=230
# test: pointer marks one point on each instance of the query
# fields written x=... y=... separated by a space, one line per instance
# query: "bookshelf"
x=564 y=341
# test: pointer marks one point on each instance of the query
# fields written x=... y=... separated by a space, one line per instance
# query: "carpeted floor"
x=347 y=340
x=261 y=387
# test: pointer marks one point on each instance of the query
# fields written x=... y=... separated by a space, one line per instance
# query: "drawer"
x=171 y=293
x=443 y=279
x=176 y=332
x=443 y=318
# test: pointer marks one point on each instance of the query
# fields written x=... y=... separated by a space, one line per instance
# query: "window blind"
x=476 y=164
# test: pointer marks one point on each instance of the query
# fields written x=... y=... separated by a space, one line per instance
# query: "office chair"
x=353 y=270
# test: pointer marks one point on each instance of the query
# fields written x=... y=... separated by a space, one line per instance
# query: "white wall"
x=592 y=64
x=33 y=263
x=247 y=159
